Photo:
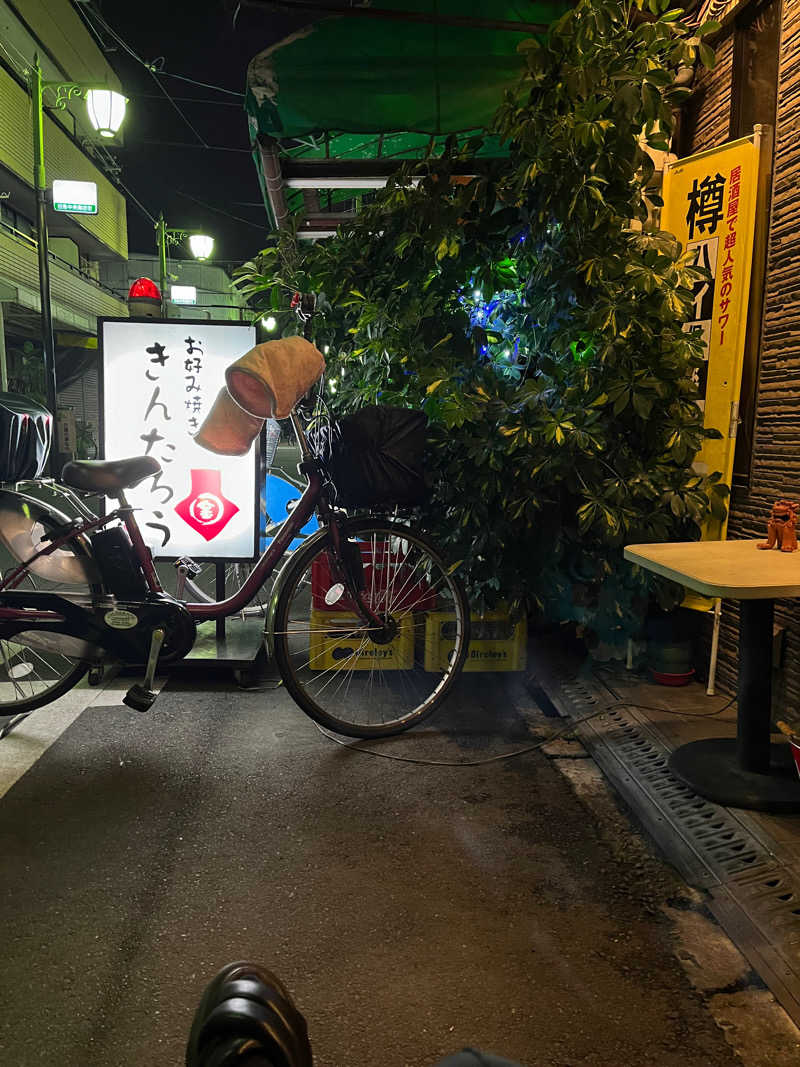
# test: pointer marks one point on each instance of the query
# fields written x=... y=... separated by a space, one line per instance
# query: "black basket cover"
x=375 y=457
x=26 y=430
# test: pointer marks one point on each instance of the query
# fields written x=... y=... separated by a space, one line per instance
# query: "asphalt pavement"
x=411 y=909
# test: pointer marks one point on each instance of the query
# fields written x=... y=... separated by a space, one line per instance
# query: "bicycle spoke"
x=359 y=678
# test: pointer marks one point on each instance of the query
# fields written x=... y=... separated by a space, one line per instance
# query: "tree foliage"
x=536 y=316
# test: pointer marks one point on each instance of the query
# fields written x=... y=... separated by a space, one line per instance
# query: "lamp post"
x=106 y=110
x=201 y=246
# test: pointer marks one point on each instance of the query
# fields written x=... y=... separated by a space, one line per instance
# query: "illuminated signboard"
x=159 y=381
x=78 y=198
x=183 y=294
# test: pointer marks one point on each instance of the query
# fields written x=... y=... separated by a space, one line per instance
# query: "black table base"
x=711 y=768
x=747 y=771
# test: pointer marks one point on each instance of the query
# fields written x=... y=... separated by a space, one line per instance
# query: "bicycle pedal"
x=96 y=676
x=139 y=698
x=188 y=565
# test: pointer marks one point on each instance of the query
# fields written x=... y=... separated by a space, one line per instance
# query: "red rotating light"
x=144 y=288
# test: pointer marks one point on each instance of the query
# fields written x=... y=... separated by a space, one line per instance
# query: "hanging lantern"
x=106 y=110
x=201 y=245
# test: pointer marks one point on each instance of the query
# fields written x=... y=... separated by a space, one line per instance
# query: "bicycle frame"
x=314 y=498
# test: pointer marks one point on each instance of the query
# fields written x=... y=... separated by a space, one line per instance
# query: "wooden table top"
x=735 y=569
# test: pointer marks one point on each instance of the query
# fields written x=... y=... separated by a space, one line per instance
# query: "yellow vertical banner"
x=710 y=206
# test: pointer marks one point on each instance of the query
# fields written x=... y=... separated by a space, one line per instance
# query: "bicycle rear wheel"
x=37 y=667
x=365 y=680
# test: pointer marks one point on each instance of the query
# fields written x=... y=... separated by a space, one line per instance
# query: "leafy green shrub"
x=537 y=317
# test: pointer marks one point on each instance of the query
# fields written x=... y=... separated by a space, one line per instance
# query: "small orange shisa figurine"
x=781 y=531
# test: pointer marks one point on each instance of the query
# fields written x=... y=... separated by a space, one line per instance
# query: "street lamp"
x=106 y=112
x=200 y=244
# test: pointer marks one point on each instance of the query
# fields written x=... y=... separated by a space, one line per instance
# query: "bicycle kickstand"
x=141 y=697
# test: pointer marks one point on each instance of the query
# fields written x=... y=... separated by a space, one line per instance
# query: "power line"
x=163 y=73
x=179 y=110
x=185 y=99
x=25 y=60
x=184 y=144
x=205 y=85
x=150 y=70
x=138 y=203
x=220 y=211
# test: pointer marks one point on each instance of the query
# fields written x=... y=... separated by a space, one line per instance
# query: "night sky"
x=195 y=187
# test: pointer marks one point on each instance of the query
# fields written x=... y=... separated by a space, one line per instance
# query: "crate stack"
x=496 y=642
x=425 y=631
x=331 y=606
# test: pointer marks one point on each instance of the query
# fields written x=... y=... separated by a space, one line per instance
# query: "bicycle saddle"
x=245 y=1012
x=109 y=476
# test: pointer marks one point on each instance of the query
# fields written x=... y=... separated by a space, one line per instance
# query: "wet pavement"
x=411 y=909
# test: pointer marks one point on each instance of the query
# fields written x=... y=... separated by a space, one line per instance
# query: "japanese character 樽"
x=705 y=204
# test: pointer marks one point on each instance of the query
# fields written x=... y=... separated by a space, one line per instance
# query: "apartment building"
x=79 y=244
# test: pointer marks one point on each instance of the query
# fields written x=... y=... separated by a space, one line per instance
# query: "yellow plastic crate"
x=335 y=650
x=496 y=643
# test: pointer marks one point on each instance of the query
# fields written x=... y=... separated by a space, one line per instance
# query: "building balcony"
x=77 y=299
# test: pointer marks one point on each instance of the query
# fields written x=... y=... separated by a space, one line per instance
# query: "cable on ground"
x=355 y=746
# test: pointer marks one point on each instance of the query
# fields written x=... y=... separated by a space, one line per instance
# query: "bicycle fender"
x=19 y=516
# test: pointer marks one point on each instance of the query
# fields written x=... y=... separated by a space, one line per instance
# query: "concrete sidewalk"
x=411 y=909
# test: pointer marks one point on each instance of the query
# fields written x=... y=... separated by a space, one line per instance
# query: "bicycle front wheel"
x=357 y=678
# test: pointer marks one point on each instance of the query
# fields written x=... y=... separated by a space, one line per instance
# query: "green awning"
x=360 y=87
x=364 y=75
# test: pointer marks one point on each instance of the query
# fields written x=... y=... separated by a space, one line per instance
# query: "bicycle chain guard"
x=123 y=629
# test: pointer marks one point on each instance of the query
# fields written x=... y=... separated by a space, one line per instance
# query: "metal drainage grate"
x=637 y=761
x=760 y=911
x=772 y=897
x=580 y=697
x=753 y=894
x=717 y=837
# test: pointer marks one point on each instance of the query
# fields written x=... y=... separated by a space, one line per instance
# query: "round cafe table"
x=750 y=770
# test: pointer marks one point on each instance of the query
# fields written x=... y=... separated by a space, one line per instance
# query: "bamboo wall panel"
x=712 y=110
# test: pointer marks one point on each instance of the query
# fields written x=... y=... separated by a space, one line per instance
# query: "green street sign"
x=78 y=198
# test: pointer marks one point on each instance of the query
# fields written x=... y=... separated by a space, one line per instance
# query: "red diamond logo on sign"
x=205 y=509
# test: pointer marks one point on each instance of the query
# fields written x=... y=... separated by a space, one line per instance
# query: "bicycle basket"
x=375 y=457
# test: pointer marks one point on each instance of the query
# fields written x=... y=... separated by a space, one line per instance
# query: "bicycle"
x=346 y=621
